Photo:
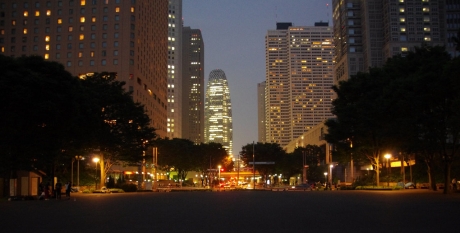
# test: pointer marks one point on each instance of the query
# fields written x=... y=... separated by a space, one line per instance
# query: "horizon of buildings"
x=218 y=123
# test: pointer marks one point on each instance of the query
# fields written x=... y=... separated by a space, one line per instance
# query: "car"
x=300 y=187
x=409 y=185
x=102 y=190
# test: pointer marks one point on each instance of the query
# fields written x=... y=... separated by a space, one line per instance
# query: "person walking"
x=67 y=189
x=58 y=190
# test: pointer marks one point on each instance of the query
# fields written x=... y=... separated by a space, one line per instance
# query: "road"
x=232 y=211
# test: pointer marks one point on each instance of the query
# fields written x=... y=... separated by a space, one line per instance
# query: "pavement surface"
x=237 y=211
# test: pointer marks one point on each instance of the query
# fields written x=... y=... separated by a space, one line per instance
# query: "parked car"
x=300 y=187
x=409 y=185
x=102 y=190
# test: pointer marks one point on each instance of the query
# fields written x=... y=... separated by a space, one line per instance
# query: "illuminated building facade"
x=261 y=112
x=193 y=83
x=175 y=69
x=368 y=32
x=218 y=111
x=86 y=36
x=299 y=77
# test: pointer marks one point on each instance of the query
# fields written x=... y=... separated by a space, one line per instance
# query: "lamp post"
x=388 y=156
x=325 y=178
x=219 y=173
x=96 y=160
x=71 y=176
x=78 y=158
x=330 y=172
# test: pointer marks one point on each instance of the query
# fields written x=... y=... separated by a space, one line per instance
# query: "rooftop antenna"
x=327 y=11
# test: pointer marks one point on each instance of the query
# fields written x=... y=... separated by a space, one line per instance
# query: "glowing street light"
x=325 y=178
x=96 y=160
x=388 y=156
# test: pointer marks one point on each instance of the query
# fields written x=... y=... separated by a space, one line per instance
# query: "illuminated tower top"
x=218 y=111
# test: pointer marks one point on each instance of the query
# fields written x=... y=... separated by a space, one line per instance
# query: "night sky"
x=234 y=41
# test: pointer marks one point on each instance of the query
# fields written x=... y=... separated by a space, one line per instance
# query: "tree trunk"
x=377 y=175
x=431 y=176
x=103 y=174
x=447 y=182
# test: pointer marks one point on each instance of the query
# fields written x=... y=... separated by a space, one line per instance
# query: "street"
x=237 y=211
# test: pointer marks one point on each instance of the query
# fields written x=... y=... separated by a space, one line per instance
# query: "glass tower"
x=218 y=111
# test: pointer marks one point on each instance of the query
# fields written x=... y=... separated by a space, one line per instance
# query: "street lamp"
x=388 y=156
x=325 y=178
x=330 y=172
x=219 y=174
x=78 y=158
x=96 y=160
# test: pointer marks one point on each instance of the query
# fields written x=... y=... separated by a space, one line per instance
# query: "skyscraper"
x=124 y=37
x=175 y=69
x=261 y=111
x=193 y=85
x=299 y=77
x=368 y=32
x=218 y=111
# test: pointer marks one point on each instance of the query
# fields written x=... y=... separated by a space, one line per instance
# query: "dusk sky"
x=234 y=41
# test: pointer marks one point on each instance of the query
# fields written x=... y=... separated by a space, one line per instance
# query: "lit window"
x=3 y=49
x=59 y=21
x=426 y=29
x=91 y=54
x=37 y=13
x=48 y=12
x=93 y=19
x=402 y=19
x=427 y=38
x=47 y=38
x=403 y=29
x=82 y=19
x=117 y=9
x=47 y=47
x=82 y=37
x=80 y=54
x=82 y=2
x=401 y=9
x=132 y=9
x=47 y=56
x=426 y=9
x=13 y=22
x=26 y=13
x=70 y=28
x=25 y=31
x=404 y=49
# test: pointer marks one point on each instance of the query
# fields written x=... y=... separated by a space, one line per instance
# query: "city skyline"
x=234 y=37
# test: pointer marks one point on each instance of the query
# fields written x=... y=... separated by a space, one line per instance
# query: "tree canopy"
x=47 y=116
x=408 y=106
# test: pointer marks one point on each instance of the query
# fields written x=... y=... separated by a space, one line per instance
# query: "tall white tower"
x=218 y=111
x=175 y=69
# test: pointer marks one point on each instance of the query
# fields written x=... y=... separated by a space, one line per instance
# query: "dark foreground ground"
x=326 y=211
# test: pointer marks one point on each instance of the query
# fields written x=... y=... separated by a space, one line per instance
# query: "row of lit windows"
x=60 y=3
x=70 y=20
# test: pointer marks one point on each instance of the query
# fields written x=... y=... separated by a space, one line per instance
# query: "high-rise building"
x=193 y=85
x=218 y=125
x=299 y=77
x=368 y=32
x=261 y=111
x=175 y=69
x=128 y=38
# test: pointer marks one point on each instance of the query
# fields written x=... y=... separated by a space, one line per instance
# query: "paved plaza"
x=237 y=211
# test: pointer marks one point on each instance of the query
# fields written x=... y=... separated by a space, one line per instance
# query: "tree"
x=48 y=116
x=263 y=152
x=111 y=124
x=37 y=114
x=410 y=105
x=362 y=114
